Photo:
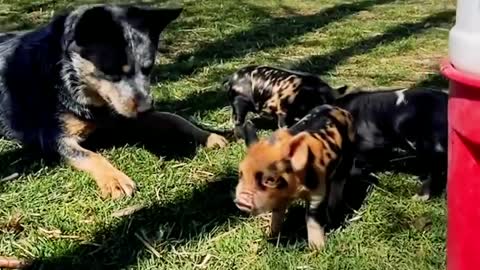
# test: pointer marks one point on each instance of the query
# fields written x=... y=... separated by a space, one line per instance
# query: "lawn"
x=185 y=216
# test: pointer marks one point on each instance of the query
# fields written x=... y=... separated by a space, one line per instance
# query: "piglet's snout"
x=244 y=202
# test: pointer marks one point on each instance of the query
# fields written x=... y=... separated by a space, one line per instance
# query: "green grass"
x=188 y=219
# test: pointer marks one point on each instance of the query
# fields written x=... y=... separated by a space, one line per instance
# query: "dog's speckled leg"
x=171 y=123
x=110 y=180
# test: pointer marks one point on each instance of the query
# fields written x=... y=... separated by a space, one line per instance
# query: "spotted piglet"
x=309 y=161
x=284 y=94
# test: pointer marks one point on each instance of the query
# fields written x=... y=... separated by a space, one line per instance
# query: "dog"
x=414 y=120
x=311 y=160
x=284 y=94
x=86 y=68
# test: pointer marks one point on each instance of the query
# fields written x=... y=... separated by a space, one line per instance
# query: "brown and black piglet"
x=309 y=161
x=284 y=94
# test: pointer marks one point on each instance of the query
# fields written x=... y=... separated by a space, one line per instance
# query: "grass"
x=54 y=215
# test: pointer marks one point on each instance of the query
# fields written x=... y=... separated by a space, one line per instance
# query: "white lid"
x=464 y=38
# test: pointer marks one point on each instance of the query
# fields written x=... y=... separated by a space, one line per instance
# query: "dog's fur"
x=284 y=94
x=311 y=160
x=414 y=120
x=85 y=68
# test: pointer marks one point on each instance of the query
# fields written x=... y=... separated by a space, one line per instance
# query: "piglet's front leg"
x=315 y=231
x=281 y=119
x=276 y=222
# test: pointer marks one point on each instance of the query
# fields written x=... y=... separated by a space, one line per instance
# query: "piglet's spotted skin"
x=298 y=163
x=286 y=95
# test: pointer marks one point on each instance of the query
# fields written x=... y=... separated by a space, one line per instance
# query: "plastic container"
x=464 y=39
x=463 y=188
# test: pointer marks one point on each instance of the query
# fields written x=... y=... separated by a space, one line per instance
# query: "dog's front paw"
x=116 y=184
x=215 y=140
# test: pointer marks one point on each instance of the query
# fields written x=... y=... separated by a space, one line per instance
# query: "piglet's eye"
x=270 y=180
x=281 y=183
x=240 y=174
x=258 y=176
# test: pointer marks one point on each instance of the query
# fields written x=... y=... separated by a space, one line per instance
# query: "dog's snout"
x=142 y=103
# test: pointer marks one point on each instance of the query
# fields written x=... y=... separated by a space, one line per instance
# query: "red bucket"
x=463 y=188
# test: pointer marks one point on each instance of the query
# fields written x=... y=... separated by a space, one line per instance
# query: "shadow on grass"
x=172 y=224
x=178 y=223
x=21 y=161
x=319 y=64
x=436 y=81
x=196 y=103
x=25 y=15
x=277 y=32
x=356 y=192
x=165 y=143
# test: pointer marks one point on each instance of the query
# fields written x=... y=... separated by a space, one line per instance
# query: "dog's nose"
x=143 y=104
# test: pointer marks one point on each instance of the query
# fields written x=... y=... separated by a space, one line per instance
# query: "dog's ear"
x=152 y=20
x=97 y=26
x=342 y=90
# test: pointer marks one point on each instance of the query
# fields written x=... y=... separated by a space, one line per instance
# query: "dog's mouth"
x=132 y=107
x=143 y=111
x=115 y=96
x=144 y=105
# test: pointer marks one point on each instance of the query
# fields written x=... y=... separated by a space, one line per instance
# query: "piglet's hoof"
x=316 y=243
x=422 y=198
x=215 y=140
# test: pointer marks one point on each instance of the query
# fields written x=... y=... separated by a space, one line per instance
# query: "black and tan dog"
x=311 y=160
x=85 y=68
x=284 y=94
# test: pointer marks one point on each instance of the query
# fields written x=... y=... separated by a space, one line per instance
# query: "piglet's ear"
x=249 y=133
x=298 y=152
x=152 y=20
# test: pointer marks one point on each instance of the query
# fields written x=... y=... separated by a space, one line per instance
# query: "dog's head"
x=271 y=174
x=112 y=50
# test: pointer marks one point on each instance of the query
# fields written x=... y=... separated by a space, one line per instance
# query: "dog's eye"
x=126 y=69
x=112 y=77
x=108 y=75
x=115 y=78
x=147 y=69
